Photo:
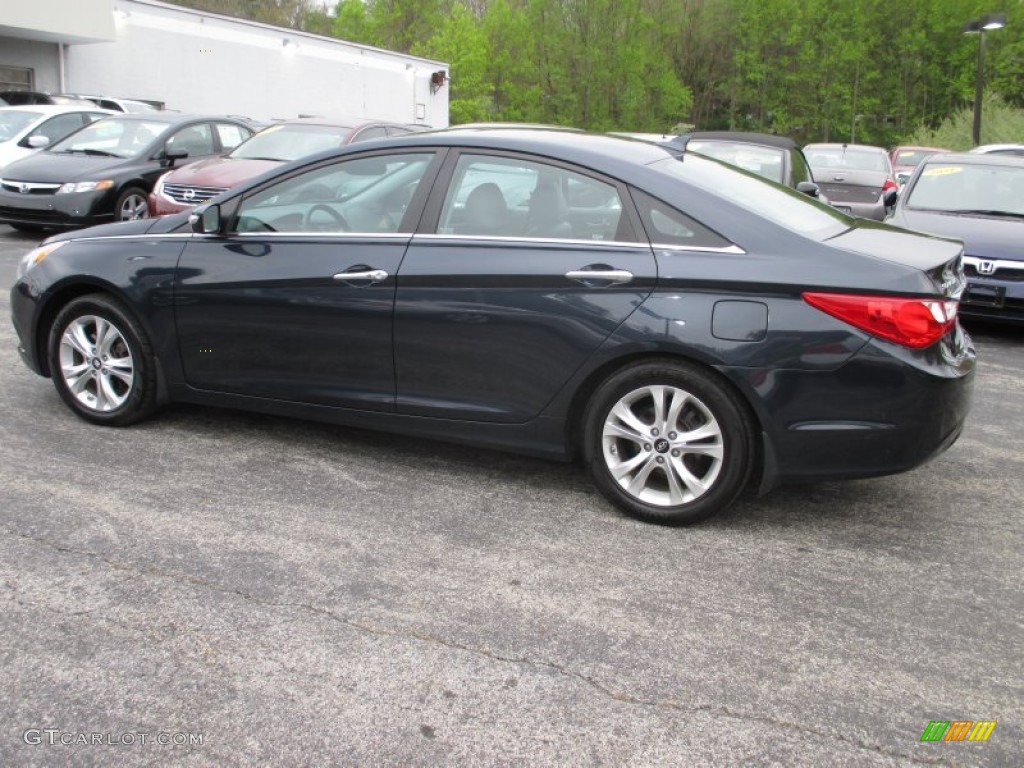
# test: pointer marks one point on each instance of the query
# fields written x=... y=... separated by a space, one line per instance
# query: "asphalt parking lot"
x=220 y=588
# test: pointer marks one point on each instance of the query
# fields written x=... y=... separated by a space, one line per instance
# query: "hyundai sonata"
x=688 y=330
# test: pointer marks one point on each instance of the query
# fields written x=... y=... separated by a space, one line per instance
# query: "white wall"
x=42 y=58
x=199 y=63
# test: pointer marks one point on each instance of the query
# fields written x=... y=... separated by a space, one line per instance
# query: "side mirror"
x=808 y=188
x=38 y=141
x=890 y=198
x=167 y=157
x=205 y=221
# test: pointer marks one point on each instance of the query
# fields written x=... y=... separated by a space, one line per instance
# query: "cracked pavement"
x=302 y=594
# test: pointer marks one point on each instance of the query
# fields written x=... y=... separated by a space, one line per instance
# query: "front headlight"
x=85 y=186
x=36 y=255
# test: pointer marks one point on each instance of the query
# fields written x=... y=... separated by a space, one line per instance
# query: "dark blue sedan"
x=687 y=330
x=979 y=199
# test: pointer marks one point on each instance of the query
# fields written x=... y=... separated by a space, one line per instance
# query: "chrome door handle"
x=373 y=275
x=602 y=275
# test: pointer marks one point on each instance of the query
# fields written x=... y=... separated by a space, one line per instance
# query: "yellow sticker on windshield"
x=943 y=171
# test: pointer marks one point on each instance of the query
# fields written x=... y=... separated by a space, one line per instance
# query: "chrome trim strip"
x=694 y=248
x=532 y=240
x=314 y=235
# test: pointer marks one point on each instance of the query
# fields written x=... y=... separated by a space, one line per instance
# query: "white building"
x=199 y=62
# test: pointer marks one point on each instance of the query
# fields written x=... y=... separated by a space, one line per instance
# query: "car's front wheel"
x=132 y=204
x=668 y=442
x=101 y=361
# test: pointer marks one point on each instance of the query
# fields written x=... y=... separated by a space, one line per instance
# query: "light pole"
x=979 y=27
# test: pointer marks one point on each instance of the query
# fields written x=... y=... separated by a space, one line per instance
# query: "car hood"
x=220 y=172
x=986 y=237
x=54 y=168
x=158 y=225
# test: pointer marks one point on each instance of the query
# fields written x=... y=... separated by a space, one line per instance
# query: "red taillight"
x=914 y=323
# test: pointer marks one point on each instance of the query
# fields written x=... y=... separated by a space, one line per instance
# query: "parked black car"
x=977 y=198
x=776 y=158
x=106 y=171
x=687 y=329
x=23 y=98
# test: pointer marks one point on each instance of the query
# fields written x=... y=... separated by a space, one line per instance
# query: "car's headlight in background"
x=85 y=186
x=158 y=188
x=36 y=255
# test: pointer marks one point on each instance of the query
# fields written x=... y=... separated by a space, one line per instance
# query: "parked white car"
x=1000 y=149
x=23 y=130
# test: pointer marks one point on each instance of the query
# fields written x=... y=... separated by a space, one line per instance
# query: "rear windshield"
x=764 y=161
x=784 y=206
x=846 y=157
x=290 y=142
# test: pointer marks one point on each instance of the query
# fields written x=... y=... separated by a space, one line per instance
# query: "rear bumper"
x=994 y=299
x=885 y=411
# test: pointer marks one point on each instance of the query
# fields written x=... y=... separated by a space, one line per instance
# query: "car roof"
x=57 y=109
x=975 y=158
x=983 y=148
x=618 y=157
x=172 y=118
x=744 y=137
x=840 y=145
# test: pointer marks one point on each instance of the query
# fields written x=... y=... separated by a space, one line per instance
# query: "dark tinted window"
x=666 y=225
x=801 y=171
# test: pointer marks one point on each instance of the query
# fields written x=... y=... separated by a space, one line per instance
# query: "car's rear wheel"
x=102 y=362
x=132 y=204
x=668 y=442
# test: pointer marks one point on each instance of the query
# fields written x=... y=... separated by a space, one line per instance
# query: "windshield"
x=969 y=188
x=13 y=121
x=764 y=161
x=851 y=158
x=911 y=157
x=112 y=137
x=784 y=206
x=290 y=142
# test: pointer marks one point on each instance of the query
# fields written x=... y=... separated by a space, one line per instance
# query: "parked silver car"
x=858 y=179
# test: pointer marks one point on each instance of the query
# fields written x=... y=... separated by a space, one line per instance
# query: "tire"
x=668 y=443
x=132 y=204
x=29 y=228
x=102 y=362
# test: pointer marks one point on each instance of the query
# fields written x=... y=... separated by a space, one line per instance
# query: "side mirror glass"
x=205 y=221
x=38 y=141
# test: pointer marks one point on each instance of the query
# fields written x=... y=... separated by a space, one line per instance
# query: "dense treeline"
x=871 y=70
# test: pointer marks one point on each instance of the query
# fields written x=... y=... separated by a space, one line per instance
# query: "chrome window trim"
x=431 y=236
x=316 y=235
x=734 y=249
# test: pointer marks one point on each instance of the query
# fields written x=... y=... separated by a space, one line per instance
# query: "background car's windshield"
x=912 y=157
x=112 y=136
x=764 y=161
x=290 y=142
x=14 y=120
x=846 y=157
x=782 y=205
x=965 y=187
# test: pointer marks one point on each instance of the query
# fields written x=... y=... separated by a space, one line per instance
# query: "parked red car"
x=188 y=186
x=906 y=159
